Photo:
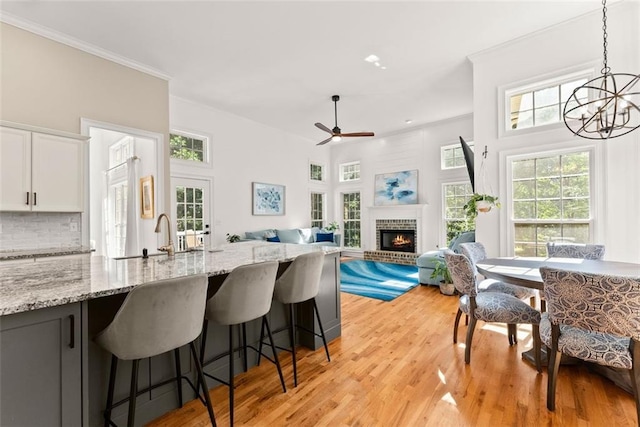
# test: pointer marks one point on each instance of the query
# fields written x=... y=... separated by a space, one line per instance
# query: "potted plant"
x=441 y=271
x=232 y=238
x=333 y=226
x=480 y=203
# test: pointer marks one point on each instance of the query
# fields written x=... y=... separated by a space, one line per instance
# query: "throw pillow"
x=273 y=239
x=269 y=234
x=324 y=237
x=291 y=235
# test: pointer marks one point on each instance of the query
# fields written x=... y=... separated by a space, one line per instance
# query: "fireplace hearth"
x=398 y=240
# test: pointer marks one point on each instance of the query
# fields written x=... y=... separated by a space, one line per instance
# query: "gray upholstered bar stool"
x=156 y=318
x=245 y=295
x=299 y=283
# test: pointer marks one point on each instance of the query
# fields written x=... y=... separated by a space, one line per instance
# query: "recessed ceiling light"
x=372 y=58
x=383 y=68
x=408 y=121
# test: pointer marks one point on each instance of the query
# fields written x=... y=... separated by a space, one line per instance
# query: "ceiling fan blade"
x=358 y=134
x=325 y=141
x=324 y=128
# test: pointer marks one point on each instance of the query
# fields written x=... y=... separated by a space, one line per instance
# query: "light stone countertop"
x=41 y=253
x=30 y=286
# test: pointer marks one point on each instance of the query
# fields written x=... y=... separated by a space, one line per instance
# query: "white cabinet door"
x=15 y=169
x=57 y=173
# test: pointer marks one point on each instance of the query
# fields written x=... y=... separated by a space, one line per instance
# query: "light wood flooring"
x=396 y=365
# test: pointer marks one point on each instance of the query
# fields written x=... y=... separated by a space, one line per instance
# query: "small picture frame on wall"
x=268 y=199
x=147 y=201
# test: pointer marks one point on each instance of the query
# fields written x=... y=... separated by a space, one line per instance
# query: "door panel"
x=190 y=201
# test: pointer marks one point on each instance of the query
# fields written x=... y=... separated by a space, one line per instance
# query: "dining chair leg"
x=467 y=350
x=512 y=332
x=201 y=379
x=176 y=353
x=552 y=376
x=535 y=331
x=455 y=326
x=133 y=393
x=634 y=348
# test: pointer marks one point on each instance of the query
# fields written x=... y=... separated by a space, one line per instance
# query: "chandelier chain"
x=605 y=68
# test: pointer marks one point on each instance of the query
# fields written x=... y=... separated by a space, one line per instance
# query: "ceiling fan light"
x=336 y=138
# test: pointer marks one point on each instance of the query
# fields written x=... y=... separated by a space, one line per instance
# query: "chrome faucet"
x=168 y=248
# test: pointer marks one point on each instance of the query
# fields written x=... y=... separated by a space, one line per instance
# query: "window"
x=350 y=171
x=455 y=196
x=317 y=210
x=451 y=156
x=188 y=147
x=551 y=201
x=540 y=104
x=316 y=172
x=189 y=211
x=351 y=219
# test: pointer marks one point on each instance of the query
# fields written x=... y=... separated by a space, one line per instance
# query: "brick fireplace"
x=396 y=241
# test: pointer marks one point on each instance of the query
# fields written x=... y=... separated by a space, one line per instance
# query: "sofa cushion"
x=290 y=235
x=324 y=237
x=309 y=234
x=258 y=235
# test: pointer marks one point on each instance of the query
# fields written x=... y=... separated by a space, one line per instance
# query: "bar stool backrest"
x=301 y=281
x=157 y=317
x=245 y=294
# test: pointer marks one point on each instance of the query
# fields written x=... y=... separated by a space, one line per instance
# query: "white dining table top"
x=525 y=271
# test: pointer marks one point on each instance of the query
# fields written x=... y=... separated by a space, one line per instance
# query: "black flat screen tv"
x=468 y=158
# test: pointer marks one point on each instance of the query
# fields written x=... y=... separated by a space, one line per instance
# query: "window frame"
x=597 y=163
x=531 y=85
x=345 y=221
x=341 y=168
x=323 y=169
x=443 y=228
x=206 y=146
x=323 y=210
x=454 y=147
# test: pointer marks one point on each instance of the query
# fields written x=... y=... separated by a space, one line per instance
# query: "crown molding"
x=59 y=37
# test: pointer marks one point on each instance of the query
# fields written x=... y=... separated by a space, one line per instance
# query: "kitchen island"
x=51 y=310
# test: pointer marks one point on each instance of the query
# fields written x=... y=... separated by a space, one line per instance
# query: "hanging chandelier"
x=607 y=106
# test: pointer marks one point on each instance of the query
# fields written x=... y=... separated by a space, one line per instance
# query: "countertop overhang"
x=31 y=286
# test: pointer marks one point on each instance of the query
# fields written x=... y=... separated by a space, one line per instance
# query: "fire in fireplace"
x=398 y=240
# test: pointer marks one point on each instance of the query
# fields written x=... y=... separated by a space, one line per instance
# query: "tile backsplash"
x=39 y=230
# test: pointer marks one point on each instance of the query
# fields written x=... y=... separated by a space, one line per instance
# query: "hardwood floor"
x=396 y=365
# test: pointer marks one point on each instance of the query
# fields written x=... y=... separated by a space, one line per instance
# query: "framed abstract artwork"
x=397 y=188
x=268 y=199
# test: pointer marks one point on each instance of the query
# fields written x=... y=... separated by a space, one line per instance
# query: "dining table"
x=525 y=271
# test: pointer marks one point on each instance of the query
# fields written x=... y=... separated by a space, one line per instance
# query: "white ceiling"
x=278 y=63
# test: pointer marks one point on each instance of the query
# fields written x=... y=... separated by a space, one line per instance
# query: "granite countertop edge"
x=42 y=253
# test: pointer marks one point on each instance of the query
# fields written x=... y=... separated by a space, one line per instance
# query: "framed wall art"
x=268 y=199
x=397 y=188
x=146 y=197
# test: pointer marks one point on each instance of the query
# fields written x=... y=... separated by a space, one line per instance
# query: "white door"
x=190 y=201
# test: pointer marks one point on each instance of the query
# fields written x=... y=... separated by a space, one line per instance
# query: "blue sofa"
x=304 y=236
x=427 y=261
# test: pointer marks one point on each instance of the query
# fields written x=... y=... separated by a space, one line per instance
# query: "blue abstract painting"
x=268 y=199
x=397 y=188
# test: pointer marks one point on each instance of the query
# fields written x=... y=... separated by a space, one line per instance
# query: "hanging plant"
x=480 y=203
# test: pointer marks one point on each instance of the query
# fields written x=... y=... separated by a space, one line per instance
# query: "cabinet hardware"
x=72 y=331
x=27 y=198
x=34 y=199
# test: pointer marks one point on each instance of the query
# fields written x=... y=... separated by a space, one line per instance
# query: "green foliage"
x=440 y=270
x=333 y=226
x=184 y=148
x=232 y=238
x=456 y=227
x=471 y=207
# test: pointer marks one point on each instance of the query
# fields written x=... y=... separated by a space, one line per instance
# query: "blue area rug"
x=378 y=280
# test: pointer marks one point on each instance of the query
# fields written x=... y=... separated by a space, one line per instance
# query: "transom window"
x=316 y=172
x=452 y=156
x=351 y=219
x=455 y=196
x=350 y=171
x=551 y=201
x=541 y=104
x=188 y=147
x=317 y=210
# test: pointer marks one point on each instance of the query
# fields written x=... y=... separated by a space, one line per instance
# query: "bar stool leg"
x=260 y=345
x=292 y=338
x=231 y=375
x=133 y=391
x=176 y=352
x=275 y=354
x=244 y=347
x=201 y=379
x=112 y=383
x=324 y=340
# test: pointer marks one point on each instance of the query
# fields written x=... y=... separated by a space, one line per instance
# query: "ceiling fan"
x=336 y=133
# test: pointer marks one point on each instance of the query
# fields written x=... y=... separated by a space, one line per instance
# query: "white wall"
x=243 y=152
x=414 y=149
x=573 y=45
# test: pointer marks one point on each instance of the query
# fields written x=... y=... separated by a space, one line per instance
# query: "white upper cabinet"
x=40 y=172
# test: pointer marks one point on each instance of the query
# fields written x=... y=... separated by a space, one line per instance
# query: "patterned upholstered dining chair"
x=592 y=317
x=573 y=250
x=488 y=306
